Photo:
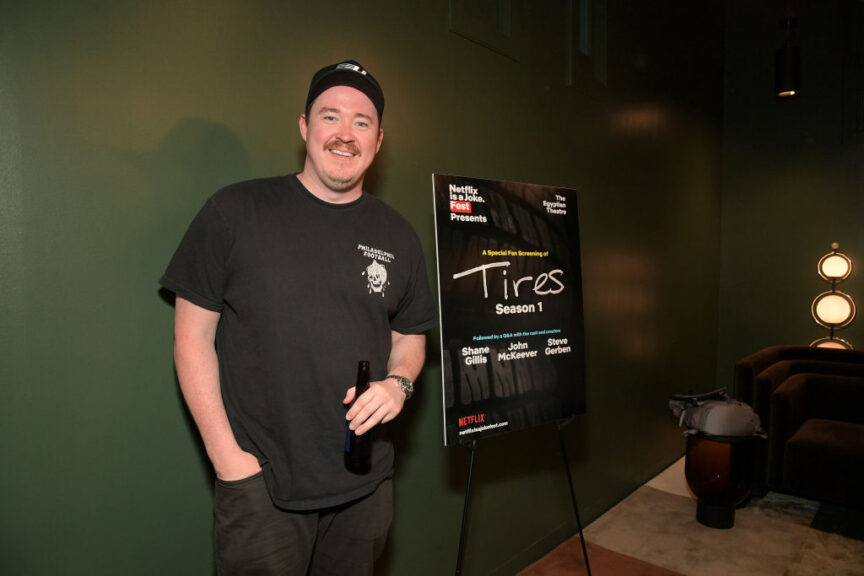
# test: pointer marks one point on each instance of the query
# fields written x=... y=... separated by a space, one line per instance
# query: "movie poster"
x=510 y=289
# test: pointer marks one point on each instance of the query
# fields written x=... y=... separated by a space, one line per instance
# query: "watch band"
x=404 y=383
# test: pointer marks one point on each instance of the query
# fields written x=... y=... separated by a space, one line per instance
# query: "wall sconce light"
x=833 y=309
x=787 y=63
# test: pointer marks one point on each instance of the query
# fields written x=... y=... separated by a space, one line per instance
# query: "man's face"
x=342 y=136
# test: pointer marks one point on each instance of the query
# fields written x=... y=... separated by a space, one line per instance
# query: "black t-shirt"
x=305 y=289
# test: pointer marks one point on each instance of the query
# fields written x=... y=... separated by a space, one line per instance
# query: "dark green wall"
x=117 y=120
x=793 y=174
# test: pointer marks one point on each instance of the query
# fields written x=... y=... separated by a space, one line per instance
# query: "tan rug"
x=772 y=536
x=567 y=559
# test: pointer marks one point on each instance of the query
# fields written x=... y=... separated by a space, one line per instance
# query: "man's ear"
x=380 y=139
x=304 y=127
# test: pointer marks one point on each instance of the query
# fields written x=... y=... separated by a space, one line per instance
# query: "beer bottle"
x=358 y=449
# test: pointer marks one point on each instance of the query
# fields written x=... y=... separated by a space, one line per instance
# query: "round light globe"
x=835 y=267
x=833 y=309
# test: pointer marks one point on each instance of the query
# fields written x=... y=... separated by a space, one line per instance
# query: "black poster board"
x=510 y=287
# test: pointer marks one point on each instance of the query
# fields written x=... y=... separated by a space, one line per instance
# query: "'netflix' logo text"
x=472 y=419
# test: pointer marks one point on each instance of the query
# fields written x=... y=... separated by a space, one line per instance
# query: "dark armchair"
x=816 y=445
x=758 y=375
x=814 y=432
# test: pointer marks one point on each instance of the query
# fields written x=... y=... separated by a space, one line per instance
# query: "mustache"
x=339 y=144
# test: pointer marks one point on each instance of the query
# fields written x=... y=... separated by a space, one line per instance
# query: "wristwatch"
x=404 y=383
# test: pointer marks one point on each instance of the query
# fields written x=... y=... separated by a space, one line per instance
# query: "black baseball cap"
x=348 y=73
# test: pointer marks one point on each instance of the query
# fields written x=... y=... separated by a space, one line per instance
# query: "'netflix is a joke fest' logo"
x=461 y=199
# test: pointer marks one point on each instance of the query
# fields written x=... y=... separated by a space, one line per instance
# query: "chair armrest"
x=789 y=409
x=807 y=395
x=749 y=368
x=771 y=378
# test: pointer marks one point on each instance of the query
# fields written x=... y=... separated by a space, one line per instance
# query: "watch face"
x=404 y=383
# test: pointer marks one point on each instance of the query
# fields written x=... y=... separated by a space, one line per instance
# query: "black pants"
x=254 y=537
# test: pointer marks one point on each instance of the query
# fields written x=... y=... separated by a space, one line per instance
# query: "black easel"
x=465 y=511
x=560 y=425
x=462 y=533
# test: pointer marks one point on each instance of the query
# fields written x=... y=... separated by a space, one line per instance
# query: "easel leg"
x=462 y=532
x=560 y=426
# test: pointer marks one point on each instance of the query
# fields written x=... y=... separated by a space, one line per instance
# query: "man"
x=283 y=285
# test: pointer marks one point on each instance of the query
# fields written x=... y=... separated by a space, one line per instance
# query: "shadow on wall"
x=195 y=159
x=199 y=151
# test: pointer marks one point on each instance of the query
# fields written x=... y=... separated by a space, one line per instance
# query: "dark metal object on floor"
x=719 y=463
x=719 y=471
